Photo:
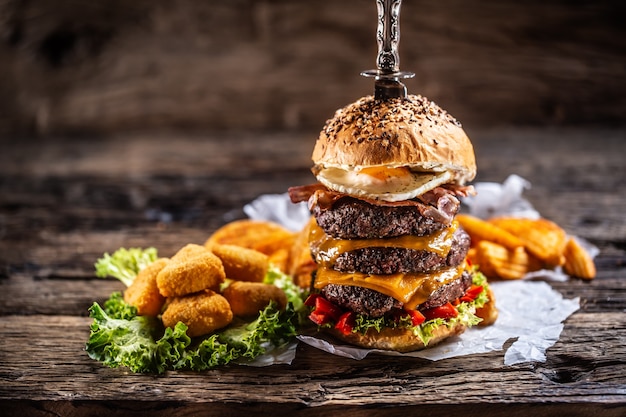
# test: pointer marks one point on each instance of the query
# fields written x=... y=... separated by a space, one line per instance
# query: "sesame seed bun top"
x=411 y=131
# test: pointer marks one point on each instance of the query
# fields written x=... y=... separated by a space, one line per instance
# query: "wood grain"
x=93 y=67
x=55 y=371
x=64 y=202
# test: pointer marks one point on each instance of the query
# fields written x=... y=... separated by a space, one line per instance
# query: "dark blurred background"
x=96 y=67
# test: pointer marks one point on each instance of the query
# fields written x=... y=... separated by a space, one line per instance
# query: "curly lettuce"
x=119 y=337
x=125 y=264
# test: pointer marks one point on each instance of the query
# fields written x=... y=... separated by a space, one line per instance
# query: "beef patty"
x=375 y=304
x=390 y=260
x=351 y=218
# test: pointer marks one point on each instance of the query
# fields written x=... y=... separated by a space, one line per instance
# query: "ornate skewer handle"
x=387 y=74
x=388 y=35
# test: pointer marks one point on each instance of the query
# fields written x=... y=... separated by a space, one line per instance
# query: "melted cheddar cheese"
x=411 y=289
x=326 y=249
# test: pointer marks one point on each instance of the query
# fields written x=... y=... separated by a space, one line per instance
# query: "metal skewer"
x=387 y=84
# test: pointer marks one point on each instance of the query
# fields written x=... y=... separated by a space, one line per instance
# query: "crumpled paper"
x=494 y=199
x=531 y=313
x=279 y=209
x=281 y=355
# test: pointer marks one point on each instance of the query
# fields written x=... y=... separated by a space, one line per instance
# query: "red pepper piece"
x=323 y=306
x=346 y=322
x=446 y=311
x=310 y=300
x=471 y=294
x=474 y=291
x=318 y=318
x=324 y=312
x=417 y=318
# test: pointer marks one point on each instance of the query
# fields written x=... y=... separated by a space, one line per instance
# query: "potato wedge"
x=280 y=259
x=479 y=229
x=541 y=237
x=497 y=261
x=301 y=263
x=263 y=236
x=578 y=262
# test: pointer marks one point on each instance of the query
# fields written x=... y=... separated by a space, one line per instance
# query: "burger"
x=391 y=270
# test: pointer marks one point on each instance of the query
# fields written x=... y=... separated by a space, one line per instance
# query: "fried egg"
x=381 y=182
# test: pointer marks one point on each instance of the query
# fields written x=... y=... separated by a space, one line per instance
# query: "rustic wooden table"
x=63 y=202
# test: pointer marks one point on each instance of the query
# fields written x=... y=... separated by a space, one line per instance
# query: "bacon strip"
x=439 y=204
x=302 y=193
x=461 y=190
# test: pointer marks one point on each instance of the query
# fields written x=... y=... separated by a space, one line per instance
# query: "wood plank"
x=63 y=203
x=175 y=409
x=60 y=367
x=290 y=65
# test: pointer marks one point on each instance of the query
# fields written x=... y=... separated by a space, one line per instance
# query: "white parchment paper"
x=531 y=312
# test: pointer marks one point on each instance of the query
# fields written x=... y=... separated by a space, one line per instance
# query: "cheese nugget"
x=193 y=268
x=203 y=312
x=241 y=264
x=144 y=293
x=248 y=298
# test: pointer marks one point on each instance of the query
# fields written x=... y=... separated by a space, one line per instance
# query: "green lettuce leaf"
x=125 y=264
x=295 y=294
x=122 y=342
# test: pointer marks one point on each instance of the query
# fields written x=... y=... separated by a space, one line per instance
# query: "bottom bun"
x=488 y=313
x=399 y=340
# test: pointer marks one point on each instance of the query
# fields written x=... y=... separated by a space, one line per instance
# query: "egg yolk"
x=384 y=173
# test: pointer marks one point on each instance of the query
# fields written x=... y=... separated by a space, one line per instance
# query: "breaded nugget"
x=202 y=312
x=248 y=298
x=188 y=251
x=193 y=268
x=144 y=293
x=263 y=236
x=242 y=264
